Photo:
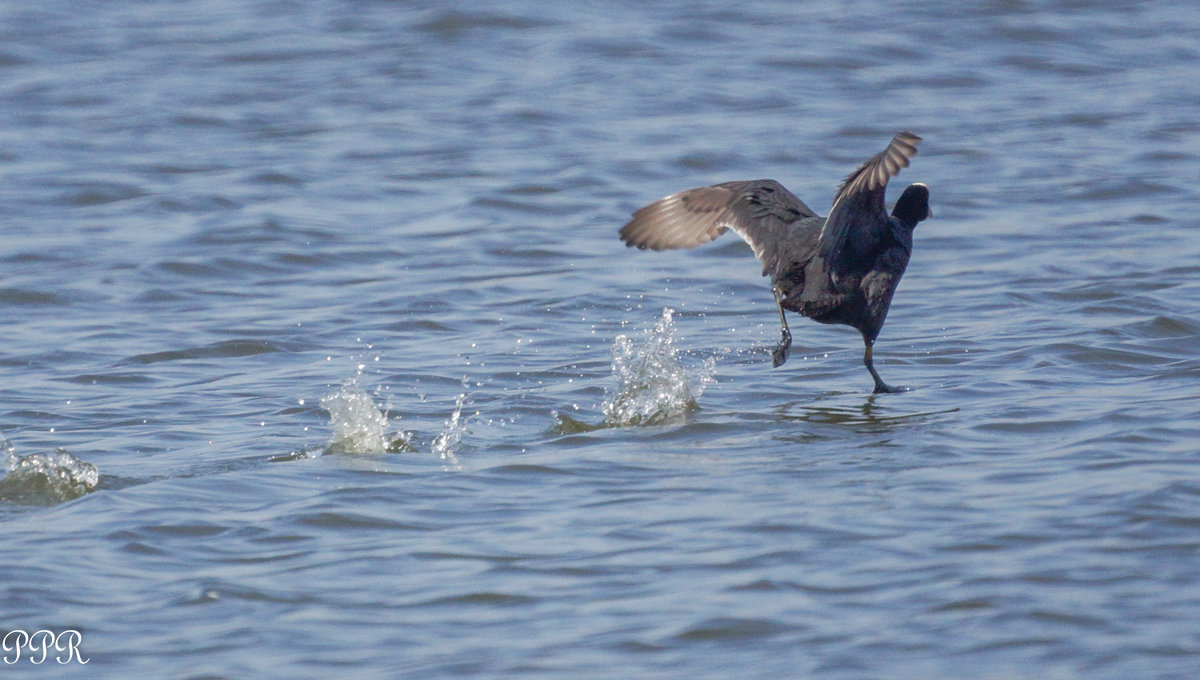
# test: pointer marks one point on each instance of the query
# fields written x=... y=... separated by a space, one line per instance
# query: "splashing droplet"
x=358 y=424
x=45 y=478
x=652 y=386
x=451 y=434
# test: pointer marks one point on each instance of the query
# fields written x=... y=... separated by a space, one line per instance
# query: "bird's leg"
x=880 y=385
x=781 y=352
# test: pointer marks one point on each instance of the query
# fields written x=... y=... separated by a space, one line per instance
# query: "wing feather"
x=762 y=212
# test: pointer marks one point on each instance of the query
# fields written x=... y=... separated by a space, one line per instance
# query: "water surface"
x=321 y=355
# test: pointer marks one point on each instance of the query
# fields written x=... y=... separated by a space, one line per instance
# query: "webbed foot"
x=880 y=386
x=884 y=388
x=780 y=355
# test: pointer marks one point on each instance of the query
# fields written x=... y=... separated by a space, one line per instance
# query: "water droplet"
x=652 y=386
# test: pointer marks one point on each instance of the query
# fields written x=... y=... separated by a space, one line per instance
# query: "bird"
x=840 y=269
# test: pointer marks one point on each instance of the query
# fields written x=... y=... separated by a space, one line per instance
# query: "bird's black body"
x=840 y=269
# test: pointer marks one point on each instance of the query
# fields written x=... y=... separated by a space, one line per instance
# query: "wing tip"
x=878 y=169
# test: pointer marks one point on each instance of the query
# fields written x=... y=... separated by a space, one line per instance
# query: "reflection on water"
x=868 y=415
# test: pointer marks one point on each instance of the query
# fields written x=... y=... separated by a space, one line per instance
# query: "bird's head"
x=913 y=205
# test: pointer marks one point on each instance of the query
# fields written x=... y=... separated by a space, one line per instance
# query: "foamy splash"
x=359 y=426
x=652 y=386
x=45 y=478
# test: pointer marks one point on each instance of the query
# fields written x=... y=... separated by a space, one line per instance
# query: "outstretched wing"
x=761 y=211
x=858 y=217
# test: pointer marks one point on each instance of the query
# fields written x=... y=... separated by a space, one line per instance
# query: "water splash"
x=652 y=386
x=359 y=426
x=452 y=432
x=45 y=478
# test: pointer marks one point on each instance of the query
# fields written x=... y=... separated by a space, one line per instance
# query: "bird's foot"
x=780 y=355
x=884 y=388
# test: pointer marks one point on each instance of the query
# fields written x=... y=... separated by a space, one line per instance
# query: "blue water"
x=321 y=356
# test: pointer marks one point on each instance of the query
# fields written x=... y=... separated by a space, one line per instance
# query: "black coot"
x=840 y=269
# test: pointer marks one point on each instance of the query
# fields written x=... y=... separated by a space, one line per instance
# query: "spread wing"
x=762 y=212
x=858 y=217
